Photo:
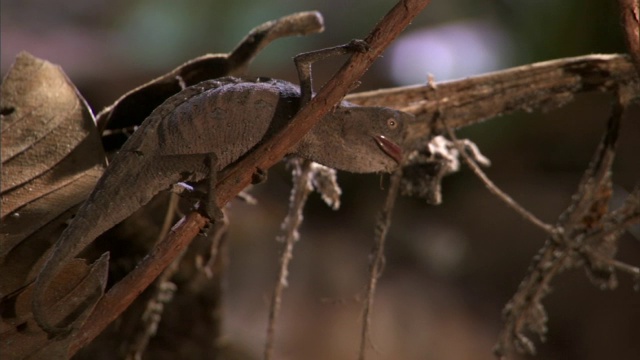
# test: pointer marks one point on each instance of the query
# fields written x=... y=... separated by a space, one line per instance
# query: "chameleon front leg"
x=303 y=63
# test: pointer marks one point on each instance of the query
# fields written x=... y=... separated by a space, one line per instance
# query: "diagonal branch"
x=630 y=18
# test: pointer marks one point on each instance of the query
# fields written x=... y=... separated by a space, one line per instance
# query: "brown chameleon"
x=203 y=129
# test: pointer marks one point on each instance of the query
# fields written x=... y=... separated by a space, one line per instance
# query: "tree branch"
x=630 y=18
x=540 y=86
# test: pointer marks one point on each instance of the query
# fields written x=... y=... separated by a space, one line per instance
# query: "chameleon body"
x=203 y=129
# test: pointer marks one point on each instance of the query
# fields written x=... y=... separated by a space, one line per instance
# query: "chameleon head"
x=358 y=139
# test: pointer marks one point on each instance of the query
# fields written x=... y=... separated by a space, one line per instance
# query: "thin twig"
x=163 y=292
x=219 y=230
x=619 y=265
x=510 y=202
x=612 y=229
x=299 y=194
x=170 y=214
x=375 y=269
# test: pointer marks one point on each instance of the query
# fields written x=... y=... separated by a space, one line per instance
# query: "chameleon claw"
x=358 y=45
x=53 y=331
x=205 y=229
x=211 y=211
x=259 y=176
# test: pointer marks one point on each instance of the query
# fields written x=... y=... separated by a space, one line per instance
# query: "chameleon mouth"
x=389 y=147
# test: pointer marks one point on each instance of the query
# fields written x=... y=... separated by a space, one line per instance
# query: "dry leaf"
x=74 y=287
x=51 y=158
x=133 y=107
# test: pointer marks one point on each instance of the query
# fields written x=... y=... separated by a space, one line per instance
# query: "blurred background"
x=450 y=268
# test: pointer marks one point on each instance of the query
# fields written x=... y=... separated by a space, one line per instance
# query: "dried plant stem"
x=510 y=202
x=212 y=266
x=214 y=271
x=589 y=232
x=170 y=214
x=525 y=311
x=377 y=262
x=614 y=229
x=618 y=265
x=163 y=292
x=299 y=194
x=150 y=318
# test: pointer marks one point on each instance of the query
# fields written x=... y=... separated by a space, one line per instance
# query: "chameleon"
x=200 y=131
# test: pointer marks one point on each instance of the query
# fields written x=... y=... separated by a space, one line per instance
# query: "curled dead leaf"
x=51 y=158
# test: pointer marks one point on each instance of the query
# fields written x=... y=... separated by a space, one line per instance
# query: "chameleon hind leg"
x=197 y=181
x=209 y=203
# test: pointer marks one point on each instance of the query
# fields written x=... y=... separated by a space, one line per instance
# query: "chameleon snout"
x=389 y=147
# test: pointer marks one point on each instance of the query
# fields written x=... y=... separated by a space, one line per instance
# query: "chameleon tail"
x=128 y=183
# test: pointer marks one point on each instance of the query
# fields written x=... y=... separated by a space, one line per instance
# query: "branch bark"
x=540 y=86
x=630 y=18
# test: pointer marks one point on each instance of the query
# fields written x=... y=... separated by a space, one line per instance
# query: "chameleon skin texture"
x=219 y=119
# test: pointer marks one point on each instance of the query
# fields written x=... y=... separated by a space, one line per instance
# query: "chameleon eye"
x=392 y=123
